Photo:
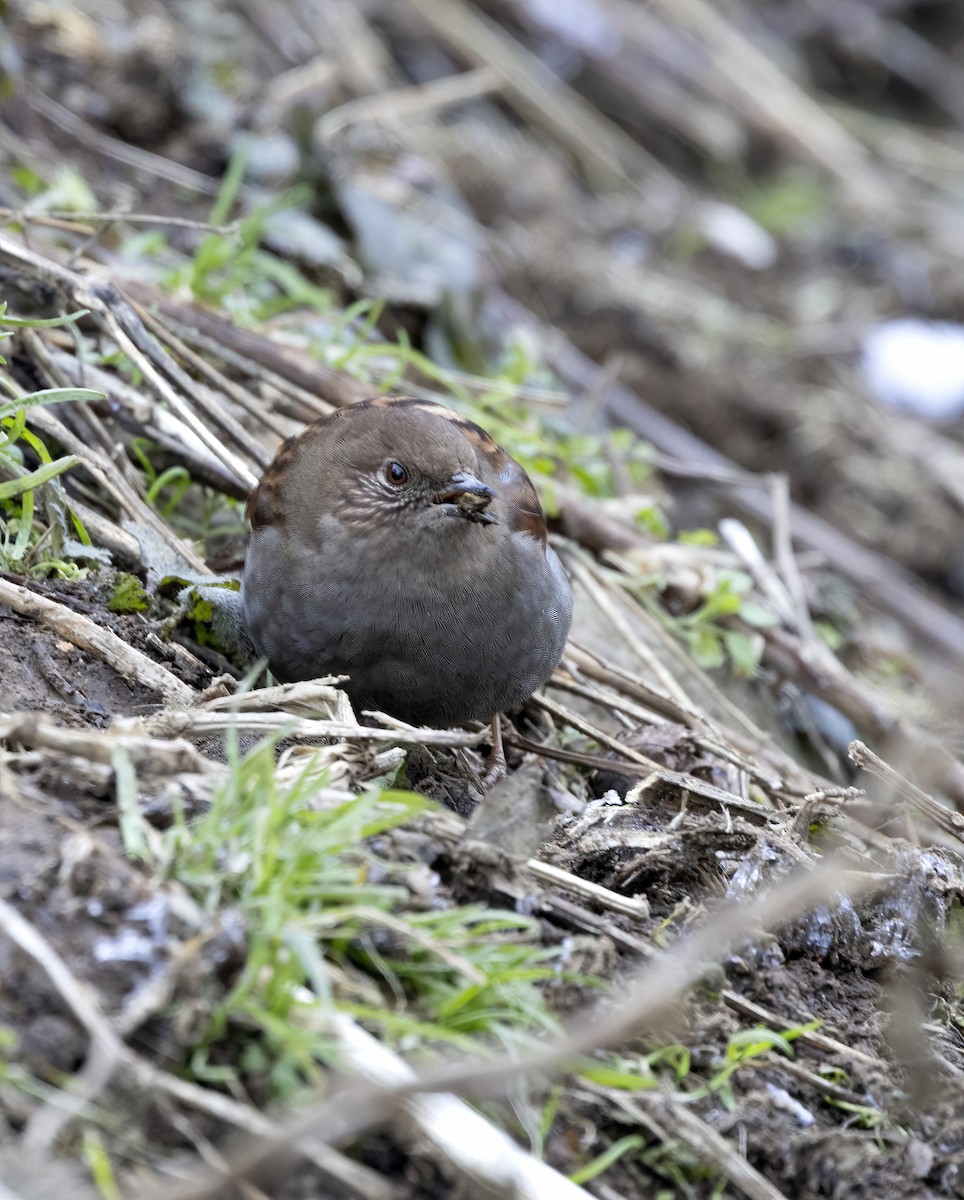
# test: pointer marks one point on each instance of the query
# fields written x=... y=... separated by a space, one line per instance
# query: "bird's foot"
x=495 y=766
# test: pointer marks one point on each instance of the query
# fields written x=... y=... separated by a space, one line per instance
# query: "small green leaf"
x=49 y=396
x=98 y=1163
x=706 y=648
x=744 y=649
x=756 y=615
x=612 y=1154
x=34 y=479
x=697 y=537
x=133 y=827
x=652 y=519
x=738 y=582
x=612 y=1077
x=675 y=1055
x=43 y=322
x=25 y=528
x=829 y=634
x=178 y=480
x=69 y=190
x=29 y=182
x=750 y=1043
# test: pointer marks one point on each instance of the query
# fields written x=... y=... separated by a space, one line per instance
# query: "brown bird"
x=394 y=542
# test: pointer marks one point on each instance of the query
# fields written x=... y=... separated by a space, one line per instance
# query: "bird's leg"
x=495 y=766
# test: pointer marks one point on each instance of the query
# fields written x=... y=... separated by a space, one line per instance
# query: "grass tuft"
x=327 y=917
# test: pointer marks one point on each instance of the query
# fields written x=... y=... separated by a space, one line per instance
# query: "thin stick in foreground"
x=134 y=666
x=361 y=1107
x=108 y=1052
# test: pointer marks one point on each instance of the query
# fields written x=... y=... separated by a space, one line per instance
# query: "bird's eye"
x=396 y=474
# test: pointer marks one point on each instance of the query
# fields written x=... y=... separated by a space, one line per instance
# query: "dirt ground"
x=566 y=230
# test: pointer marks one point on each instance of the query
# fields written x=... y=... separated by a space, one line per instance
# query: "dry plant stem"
x=201 y=724
x=307 y=403
x=818 y=1039
x=103 y=299
x=108 y=1052
x=950 y=822
x=820 y=670
x=65 y=370
x=541 y=96
x=134 y=340
x=783 y=553
x=135 y=667
x=558 y=754
x=212 y=1157
x=10 y=216
x=56 y=349
x=649 y=1000
x=450 y=828
x=131 y=156
x=734 y=746
x=593 y=666
x=307 y=698
x=495 y=767
x=750 y=558
x=250 y=445
x=148 y=754
x=106 y=1048
x=652 y=995
x=117 y=487
x=606 y=698
x=713 y=1150
x=692 y=786
x=731 y=476
x=904 y=145
x=940 y=458
x=86 y=294
x=422 y=100
x=584 y=524
x=41 y=159
x=321 y=385
x=462 y=1136
x=123 y=548
x=298 y=82
x=632 y=906
x=340 y=29
x=823 y=1086
x=597 y=735
x=427 y=388
x=675 y=650
x=888 y=585
x=612 y=701
x=597 y=586
x=217 y=379
x=748 y=78
x=86 y=222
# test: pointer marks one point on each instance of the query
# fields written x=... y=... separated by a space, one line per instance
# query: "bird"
x=395 y=543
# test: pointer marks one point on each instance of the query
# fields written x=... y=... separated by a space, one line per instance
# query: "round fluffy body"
x=436 y=593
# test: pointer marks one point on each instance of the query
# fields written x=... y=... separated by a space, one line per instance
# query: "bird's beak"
x=469 y=496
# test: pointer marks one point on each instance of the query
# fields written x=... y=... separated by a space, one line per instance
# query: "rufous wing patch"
x=520 y=501
x=264 y=503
